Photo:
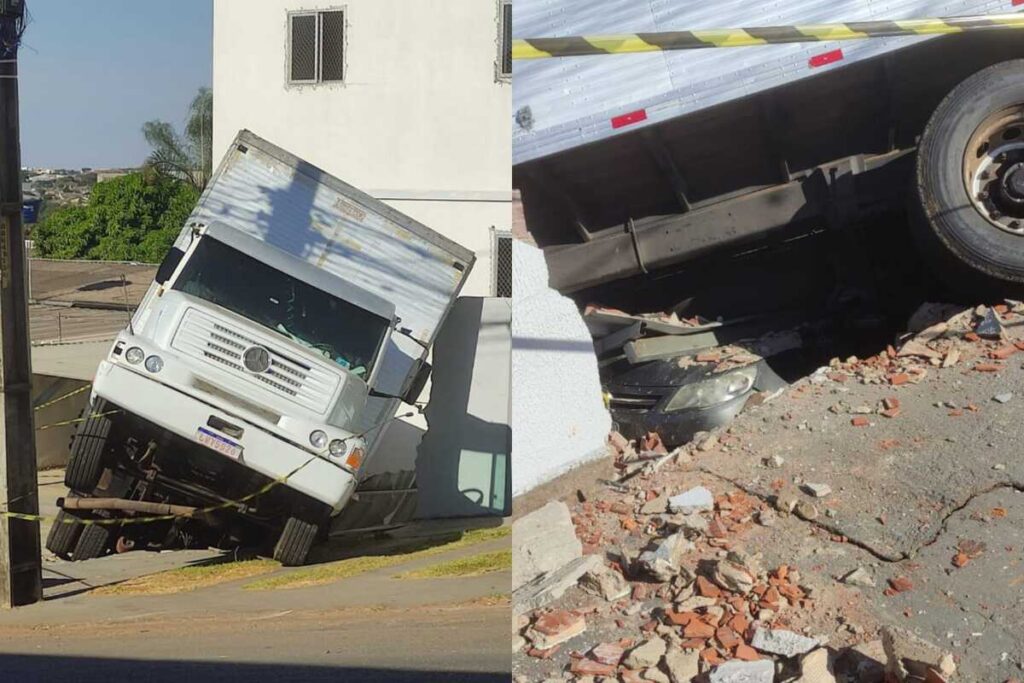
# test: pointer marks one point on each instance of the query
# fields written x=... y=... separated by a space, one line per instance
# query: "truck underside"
x=168 y=491
x=818 y=154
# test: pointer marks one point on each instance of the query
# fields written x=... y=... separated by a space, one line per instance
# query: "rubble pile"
x=939 y=336
x=670 y=596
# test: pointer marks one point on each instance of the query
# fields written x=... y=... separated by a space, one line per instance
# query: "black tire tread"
x=295 y=542
x=85 y=464
x=92 y=543
x=63 y=536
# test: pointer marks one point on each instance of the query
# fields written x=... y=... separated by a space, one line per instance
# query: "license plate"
x=219 y=443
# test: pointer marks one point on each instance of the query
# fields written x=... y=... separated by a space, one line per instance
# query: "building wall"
x=558 y=417
x=420 y=121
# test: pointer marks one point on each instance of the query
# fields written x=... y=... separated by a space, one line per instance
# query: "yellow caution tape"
x=64 y=396
x=574 y=46
x=77 y=419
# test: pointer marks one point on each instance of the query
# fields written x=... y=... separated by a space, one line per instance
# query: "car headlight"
x=337 y=447
x=134 y=355
x=714 y=390
x=318 y=438
x=154 y=363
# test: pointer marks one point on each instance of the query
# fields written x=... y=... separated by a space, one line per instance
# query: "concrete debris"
x=547 y=588
x=662 y=563
x=542 y=542
x=605 y=582
x=736 y=671
x=909 y=657
x=683 y=665
x=860 y=577
x=646 y=654
x=990 y=327
x=766 y=517
x=733 y=577
x=555 y=628
x=816 y=667
x=1003 y=398
x=694 y=524
x=774 y=461
x=518 y=643
x=694 y=500
x=655 y=506
x=817 y=490
x=608 y=653
x=805 y=510
x=782 y=642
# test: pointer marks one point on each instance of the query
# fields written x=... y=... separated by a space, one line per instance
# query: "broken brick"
x=988 y=367
x=891 y=412
x=711 y=656
x=746 y=653
x=899 y=378
x=588 y=667
x=860 y=421
x=698 y=629
x=607 y=653
x=960 y=560
x=707 y=589
x=900 y=584
x=727 y=638
x=1003 y=352
x=891 y=402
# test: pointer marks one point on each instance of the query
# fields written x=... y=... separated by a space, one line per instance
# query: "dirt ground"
x=924 y=467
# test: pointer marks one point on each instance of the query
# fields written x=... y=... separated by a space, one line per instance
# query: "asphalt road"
x=468 y=644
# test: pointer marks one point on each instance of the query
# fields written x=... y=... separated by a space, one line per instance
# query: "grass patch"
x=344 y=569
x=189 y=578
x=474 y=565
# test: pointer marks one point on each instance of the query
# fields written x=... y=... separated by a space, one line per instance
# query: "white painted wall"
x=421 y=121
x=558 y=418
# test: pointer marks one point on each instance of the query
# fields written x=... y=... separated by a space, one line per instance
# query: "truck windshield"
x=340 y=331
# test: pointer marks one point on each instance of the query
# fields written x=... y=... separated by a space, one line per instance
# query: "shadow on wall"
x=463 y=464
x=52 y=439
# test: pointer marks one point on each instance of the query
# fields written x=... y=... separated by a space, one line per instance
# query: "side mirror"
x=418 y=382
x=167 y=266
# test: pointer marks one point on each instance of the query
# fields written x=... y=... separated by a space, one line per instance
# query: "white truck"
x=634 y=166
x=281 y=332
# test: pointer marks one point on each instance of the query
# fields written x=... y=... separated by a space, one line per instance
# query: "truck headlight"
x=134 y=355
x=337 y=447
x=714 y=390
x=318 y=438
x=154 y=363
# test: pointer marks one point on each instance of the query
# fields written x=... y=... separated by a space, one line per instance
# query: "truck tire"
x=969 y=182
x=85 y=464
x=295 y=542
x=93 y=542
x=63 y=535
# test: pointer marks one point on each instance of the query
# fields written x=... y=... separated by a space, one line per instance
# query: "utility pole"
x=20 y=563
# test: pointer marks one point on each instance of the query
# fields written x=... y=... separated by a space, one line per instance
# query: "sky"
x=93 y=72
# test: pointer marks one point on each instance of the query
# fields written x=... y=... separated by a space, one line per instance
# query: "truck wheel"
x=970 y=180
x=92 y=543
x=63 y=535
x=295 y=541
x=85 y=465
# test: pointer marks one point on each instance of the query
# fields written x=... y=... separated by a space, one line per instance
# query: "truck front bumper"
x=261 y=451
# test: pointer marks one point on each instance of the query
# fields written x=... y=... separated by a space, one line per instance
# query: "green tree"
x=132 y=218
x=188 y=157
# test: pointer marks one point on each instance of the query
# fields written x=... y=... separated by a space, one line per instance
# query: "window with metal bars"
x=504 y=64
x=316 y=47
x=501 y=264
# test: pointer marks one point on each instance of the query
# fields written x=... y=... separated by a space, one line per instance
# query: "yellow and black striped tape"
x=574 y=46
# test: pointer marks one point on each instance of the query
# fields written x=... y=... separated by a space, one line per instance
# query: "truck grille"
x=222 y=344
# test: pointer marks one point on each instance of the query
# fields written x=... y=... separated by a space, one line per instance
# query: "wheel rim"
x=993 y=169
